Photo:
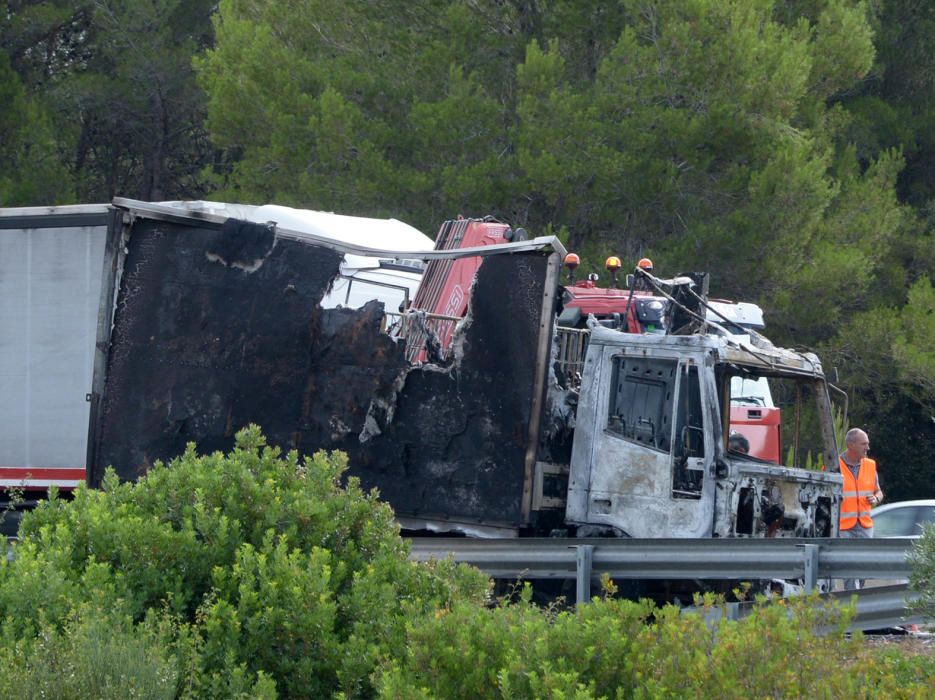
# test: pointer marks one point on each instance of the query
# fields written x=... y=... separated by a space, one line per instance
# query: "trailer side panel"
x=50 y=267
x=216 y=327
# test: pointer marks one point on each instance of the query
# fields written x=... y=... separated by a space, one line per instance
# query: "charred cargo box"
x=213 y=323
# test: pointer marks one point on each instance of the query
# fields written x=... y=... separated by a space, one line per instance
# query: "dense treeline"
x=787 y=147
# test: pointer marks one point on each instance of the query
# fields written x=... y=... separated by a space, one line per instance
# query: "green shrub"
x=253 y=575
x=282 y=579
x=922 y=578
x=95 y=654
x=904 y=666
x=622 y=649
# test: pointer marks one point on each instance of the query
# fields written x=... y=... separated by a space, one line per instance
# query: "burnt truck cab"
x=650 y=456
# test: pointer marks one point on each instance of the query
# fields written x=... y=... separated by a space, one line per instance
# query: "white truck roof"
x=362 y=278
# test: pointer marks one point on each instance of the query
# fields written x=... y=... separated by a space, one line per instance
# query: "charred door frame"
x=114 y=252
x=543 y=355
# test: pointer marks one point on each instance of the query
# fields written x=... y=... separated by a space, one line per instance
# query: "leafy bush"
x=922 y=578
x=905 y=667
x=94 y=655
x=622 y=649
x=257 y=575
x=276 y=575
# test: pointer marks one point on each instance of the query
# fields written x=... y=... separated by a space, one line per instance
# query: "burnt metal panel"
x=110 y=270
x=460 y=436
x=199 y=345
x=218 y=327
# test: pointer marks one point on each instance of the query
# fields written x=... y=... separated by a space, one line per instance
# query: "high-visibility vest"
x=855 y=508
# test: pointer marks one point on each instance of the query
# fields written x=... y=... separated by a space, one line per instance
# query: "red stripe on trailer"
x=65 y=473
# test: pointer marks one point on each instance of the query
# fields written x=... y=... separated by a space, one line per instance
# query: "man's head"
x=737 y=442
x=856 y=444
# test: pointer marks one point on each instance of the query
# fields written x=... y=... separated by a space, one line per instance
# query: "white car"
x=902 y=519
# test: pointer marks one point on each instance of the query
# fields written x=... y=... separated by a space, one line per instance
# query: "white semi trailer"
x=50 y=286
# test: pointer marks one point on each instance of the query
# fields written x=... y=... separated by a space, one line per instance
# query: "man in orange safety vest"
x=861 y=491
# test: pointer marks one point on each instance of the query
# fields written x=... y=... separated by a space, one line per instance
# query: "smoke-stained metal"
x=219 y=325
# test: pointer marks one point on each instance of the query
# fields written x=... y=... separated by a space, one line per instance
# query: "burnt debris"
x=217 y=327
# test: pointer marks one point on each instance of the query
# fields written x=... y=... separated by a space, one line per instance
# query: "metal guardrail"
x=877 y=607
x=537 y=558
x=880 y=608
x=742 y=559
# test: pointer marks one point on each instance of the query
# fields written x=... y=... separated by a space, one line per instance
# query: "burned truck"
x=654 y=459
x=210 y=323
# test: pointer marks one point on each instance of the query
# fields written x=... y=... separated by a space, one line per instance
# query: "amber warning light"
x=612 y=264
x=571 y=262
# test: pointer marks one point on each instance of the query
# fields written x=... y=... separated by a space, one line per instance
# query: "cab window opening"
x=641 y=399
x=772 y=417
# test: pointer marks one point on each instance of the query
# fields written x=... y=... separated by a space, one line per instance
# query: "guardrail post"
x=585 y=555
x=811 y=566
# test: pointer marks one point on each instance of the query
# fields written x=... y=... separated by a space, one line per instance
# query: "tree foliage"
x=786 y=147
x=30 y=169
x=141 y=131
x=654 y=130
x=887 y=354
x=922 y=579
x=116 y=80
x=699 y=130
